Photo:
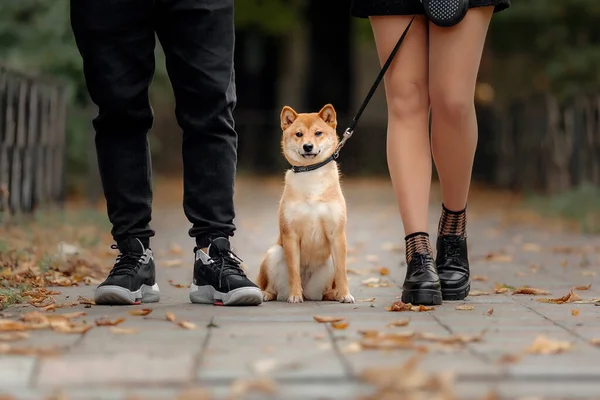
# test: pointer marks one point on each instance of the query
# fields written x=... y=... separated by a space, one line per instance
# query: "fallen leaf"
x=588 y=273
x=383 y=271
x=193 y=394
x=531 y=291
x=140 y=312
x=340 y=325
x=109 y=322
x=241 y=387
x=474 y=293
x=390 y=246
x=376 y=282
x=321 y=319
x=171 y=263
x=372 y=258
x=187 y=325
x=571 y=297
x=369 y=300
x=72 y=328
x=400 y=306
x=353 y=347
x=85 y=300
x=177 y=285
x=544 y=345
x=400 y=322
x=5 y=348
x=586 y=287
x=501 y=290
x=575 y=312
x=500 y=258
x=509 y=359
x=480 y=278
x=122 y=331
x=490 y=312
x=595 y=342
x=74 y=315
x=8 y=325
x=531 y=247
x=13 y=336
x=170 y=316
x=520 y=274
x=352 y=271
x=175 y=249
x=465 y=307
x=453 y=339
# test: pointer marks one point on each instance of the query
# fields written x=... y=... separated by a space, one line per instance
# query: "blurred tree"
x=541 y=45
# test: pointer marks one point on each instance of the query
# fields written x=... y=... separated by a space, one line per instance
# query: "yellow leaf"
x=531 y=291
x=172 y=263
x=595 y=342
x=175 y=249
x=571 y=297
x=187 y=325
x=465 y=307
x=140 y=312
x=575 y=312
x=122 y=331
x=544 y=345
x=13 y=336
x=8 y=325
x=109 y=322
x=383 y=271
x=474 y=293
x=170 y=316
x=532 y=247
x=341 y=325
x=480 y=278
x=586 y=287
x=490 y=311
x=400 y=322
x=321 y=319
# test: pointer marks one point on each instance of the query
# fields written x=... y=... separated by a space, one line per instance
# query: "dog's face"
x=308 y=138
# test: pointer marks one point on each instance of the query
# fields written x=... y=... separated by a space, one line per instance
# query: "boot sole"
x=112 y=295
x=456 y=294
x=426 y=297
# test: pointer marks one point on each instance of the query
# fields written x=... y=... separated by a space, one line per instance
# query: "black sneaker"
x=219 y=278
x=133 y=278
x=422 y=284
x=453 y=266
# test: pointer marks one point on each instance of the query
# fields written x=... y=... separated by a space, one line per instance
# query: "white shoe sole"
x=117 y=295
x=244 y=296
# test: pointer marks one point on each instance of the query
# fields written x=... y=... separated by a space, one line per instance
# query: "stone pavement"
x=310 y=360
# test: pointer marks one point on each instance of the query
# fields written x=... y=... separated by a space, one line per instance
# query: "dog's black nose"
x=308 y=147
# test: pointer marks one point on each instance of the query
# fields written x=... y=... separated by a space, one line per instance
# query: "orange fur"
x=309 y=259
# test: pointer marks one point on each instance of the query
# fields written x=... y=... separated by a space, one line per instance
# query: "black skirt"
x=367 y=8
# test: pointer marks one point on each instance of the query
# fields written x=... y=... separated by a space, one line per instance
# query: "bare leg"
x=408 y=149
x=454 y=58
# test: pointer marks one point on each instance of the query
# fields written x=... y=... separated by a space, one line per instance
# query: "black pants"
x=116 y=39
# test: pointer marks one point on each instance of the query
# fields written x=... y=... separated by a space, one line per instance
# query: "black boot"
x=422 y=284
x=452 y=263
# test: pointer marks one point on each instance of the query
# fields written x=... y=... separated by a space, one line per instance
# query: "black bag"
x=445 y=13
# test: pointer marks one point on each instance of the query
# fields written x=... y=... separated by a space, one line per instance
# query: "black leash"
x=350 y=130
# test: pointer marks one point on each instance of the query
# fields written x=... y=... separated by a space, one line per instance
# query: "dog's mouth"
x=310 y=155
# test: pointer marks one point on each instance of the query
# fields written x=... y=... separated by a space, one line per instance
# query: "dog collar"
x=312 y=167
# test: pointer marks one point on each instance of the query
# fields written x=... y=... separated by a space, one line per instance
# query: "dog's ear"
x=327 y=114
x=288 y=116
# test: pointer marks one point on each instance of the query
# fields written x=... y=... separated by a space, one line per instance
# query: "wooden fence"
x=541 y=145
x=32 y=142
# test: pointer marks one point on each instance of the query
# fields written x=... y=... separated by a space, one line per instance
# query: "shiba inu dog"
x=309 y=259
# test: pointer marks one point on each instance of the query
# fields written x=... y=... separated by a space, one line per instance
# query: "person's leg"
x=408 y=149
x=116 y=42
x=198 y=39
x=455 y=55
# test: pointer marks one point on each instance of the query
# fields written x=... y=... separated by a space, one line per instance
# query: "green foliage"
x=555 y=45
x=581 y=205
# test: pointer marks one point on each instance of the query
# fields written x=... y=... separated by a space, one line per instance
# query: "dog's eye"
x=299 y=134
x=318 y=133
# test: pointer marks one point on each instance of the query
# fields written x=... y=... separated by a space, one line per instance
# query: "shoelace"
x=126 y=263
x=451 y=249
x=420 y=261
x=227 y=263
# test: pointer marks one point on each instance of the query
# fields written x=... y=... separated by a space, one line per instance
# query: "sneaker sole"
x=426 y=297
x=456 y=294
x=117 y=295
x=244 y=296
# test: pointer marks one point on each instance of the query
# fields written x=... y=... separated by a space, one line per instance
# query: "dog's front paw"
x=267 y=296
x=295 y=299
x=347 y=298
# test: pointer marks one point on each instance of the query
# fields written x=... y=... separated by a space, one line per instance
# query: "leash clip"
x=347 y=134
